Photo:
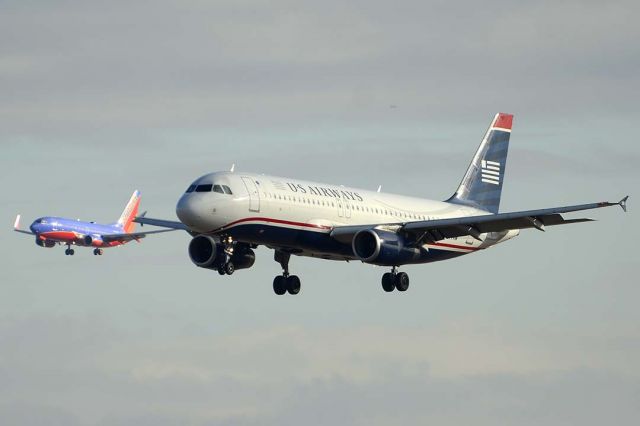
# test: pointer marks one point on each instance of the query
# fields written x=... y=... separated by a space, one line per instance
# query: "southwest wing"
x=130 y=236
x=162 y=223
x=440 y=229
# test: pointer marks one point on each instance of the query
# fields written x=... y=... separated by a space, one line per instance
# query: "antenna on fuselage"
x=233 y=167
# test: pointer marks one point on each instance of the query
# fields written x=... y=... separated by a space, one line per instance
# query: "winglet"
x=623 y=203
x=144 y=213
x=16 y=224
x=233 y=168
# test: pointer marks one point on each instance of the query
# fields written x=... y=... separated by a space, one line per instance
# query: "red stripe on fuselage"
x=271 y=220
x=454 y=246
x=59 y=235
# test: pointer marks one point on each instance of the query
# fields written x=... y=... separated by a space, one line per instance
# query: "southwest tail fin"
x=481 y=186
x=129 y=213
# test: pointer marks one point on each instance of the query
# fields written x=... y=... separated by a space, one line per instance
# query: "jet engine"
x=45 y=243
x=383 y=248
x=92 y=241
x=206 y=252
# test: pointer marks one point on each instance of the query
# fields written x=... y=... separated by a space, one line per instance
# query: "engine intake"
x=205 y=252
x=383 y=248
x=45 y=243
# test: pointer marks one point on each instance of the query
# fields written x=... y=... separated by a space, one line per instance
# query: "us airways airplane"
x=229 y=214
x=50 y=231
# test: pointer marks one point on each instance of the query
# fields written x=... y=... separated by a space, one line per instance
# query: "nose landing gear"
x=285 y=283
x=97 y=252
x=395 y=280
x=227 y=267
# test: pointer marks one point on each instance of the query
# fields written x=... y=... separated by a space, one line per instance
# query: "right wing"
x=440 y=229
x=162 y=223
x=16 y=227
x=130 y=236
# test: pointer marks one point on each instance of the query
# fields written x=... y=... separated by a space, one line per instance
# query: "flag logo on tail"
x=491 y=172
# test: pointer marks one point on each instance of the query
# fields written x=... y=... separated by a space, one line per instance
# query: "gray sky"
x=101 y=98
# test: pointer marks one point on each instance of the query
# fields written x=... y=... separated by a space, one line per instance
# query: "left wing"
x=130 y=236
x=440 y=229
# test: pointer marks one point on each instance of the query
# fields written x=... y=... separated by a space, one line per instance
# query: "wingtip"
x=623 y=203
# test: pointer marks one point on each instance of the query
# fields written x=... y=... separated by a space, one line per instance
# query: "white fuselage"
x=281 y=212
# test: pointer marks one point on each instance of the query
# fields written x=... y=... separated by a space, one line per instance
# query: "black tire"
x=388 y=282
x=72 y=252
x=66 y=252
x=95 y=252
x=229 y=268
x=279 y=285
x=402 y=281
x=293 y=284
x=221 y=270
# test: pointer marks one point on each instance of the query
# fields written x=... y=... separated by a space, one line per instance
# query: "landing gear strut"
x=227 y=267
x=395 y=280
x=285 y=283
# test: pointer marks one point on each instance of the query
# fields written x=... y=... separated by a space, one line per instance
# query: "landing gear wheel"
x=97 y=252
x=71 y=252
x=229 y=268
x=293 y=284
x=280 y=285
x=402 y=281
x=66 y=252
x=388 y=282
x=221 y=270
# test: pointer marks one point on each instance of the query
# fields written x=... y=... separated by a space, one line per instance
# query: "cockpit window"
x=38 y=221
x=191 y=188
x=227 y=190
x=204 y=188
x=218 y=188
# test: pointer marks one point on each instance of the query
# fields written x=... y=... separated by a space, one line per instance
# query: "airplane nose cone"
x=190 y=211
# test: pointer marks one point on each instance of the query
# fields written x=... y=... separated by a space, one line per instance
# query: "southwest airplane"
x=229 y=214
x=50 y=231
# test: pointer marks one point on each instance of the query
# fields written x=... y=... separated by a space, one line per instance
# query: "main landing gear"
x=395 y=280
x=97 y=252
x=285 y=283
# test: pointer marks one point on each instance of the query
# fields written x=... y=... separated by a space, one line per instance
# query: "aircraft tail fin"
x=481 y=186
x=129 y=213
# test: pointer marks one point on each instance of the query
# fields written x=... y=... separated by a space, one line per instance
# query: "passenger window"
x=191 y=188
x=218 y=189
x=227 y=190
x=204 y=188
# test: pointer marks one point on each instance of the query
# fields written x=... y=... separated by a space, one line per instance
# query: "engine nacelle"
x=92 y=241
x=243 y=258
x=205 y=252
x=45 y=243
x=383 y=248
